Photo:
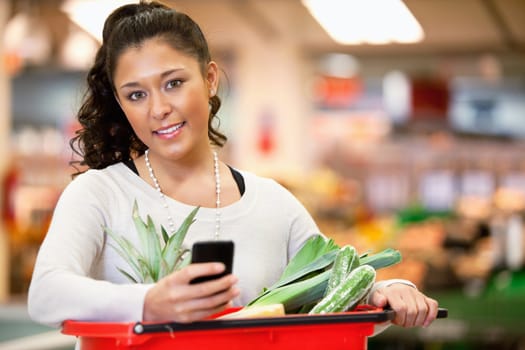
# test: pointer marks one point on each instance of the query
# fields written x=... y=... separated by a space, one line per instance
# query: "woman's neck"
x=189 y=180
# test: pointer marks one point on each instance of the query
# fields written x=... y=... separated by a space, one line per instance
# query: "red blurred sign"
x=430 y=98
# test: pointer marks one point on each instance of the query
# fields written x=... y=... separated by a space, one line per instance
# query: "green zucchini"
x=346 y=260
x=348 y=293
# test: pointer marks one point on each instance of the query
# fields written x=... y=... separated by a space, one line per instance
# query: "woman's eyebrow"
x=162 y=75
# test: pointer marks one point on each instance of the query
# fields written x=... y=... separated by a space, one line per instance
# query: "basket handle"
x=442 y=312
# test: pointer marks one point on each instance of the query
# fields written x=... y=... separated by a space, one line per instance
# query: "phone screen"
x=213 y=251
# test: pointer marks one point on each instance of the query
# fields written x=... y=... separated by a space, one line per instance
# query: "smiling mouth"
x=170 y=130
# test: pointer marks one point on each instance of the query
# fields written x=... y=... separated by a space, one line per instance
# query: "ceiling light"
x=354 y=22
x=91 y=14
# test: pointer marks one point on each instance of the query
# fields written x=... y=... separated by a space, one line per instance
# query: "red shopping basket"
x=346 y=330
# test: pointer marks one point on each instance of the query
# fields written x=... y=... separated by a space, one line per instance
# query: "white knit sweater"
x=76 y=274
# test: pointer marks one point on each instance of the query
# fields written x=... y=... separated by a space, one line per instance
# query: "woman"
x=148 y=136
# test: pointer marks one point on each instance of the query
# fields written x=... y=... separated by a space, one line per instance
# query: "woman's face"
x=165 y=97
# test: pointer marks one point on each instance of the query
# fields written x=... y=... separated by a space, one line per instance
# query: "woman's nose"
x=160 y=106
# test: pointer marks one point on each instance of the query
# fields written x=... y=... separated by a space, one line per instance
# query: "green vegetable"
x=295 y=295
x=385 y=258
x=314 y=248
x=313 y=258
x=347 y=294
x=153 y=260
x=321 y=263
x=345 y=261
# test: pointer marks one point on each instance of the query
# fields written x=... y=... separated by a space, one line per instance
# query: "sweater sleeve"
x=301 y=224
x=62 y=287
x=386 y=283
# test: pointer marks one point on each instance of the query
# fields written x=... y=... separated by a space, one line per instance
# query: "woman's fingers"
x=421 y=312
x=202 y=289
x=433 y=307
x=197 y=309
x=190 y=272
x=412 y=308
x=204 y=299
x=199 y=315
x=396 y=302
x=174 y=299
x=212 y=287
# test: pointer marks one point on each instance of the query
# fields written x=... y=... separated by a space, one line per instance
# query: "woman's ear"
x=212 y=78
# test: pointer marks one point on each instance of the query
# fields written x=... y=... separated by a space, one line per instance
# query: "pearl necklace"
x=217 y=175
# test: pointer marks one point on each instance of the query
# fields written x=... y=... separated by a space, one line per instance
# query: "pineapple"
x=158 y=254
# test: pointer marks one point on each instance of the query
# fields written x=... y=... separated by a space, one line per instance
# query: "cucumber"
x=345 y=261
x=349 y=292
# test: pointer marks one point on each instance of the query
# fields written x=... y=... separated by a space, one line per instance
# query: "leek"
x=314 y=257
x=385 y=258
x=295 y=295
x=314 y=248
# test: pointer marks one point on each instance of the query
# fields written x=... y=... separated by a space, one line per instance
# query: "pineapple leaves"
x=158 y=255
x=165 y=236
x=131 y=278
x=179 y=236
x=172 y=252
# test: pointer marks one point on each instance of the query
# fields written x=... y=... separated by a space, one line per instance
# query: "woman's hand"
x=173 y=298
x=413 y=308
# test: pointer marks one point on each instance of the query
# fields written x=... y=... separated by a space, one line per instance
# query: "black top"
x=239 y=180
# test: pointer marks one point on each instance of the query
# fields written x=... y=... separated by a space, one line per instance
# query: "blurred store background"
x=413 y=145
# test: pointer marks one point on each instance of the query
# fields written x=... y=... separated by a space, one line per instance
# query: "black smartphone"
x=213 y=251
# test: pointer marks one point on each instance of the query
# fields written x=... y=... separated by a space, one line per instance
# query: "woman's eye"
x=173 y=83
x=135 y=96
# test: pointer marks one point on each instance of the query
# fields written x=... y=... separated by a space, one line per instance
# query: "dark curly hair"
x=106 y=137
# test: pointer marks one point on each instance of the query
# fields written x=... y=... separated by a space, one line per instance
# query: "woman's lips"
x=169 y=132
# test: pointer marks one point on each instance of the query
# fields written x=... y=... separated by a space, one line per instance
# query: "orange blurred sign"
x=335 y=92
